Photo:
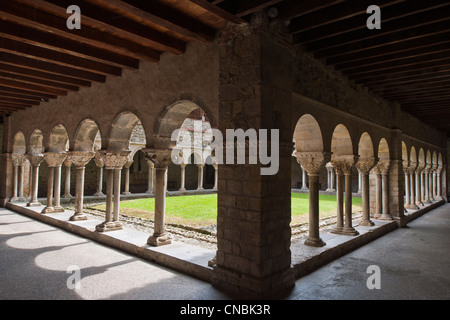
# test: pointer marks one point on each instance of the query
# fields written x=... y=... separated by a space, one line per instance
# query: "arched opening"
x=121 y=131
x=58 y=140
x=21 y=168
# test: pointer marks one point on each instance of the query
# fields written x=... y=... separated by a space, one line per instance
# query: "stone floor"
x=414 y=264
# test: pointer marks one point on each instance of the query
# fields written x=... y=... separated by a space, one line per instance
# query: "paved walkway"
x=414 y=263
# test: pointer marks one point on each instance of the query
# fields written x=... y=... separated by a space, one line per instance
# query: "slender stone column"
x=329 y=174
x=182 y=167
x=79 y=159
x=418 y=172
x=427 y=183
x=364 y=165
x=35 y=160
x=378 y=193
x=422 y=188
x=216 y=175
x=15 y=163
x=407 y=184
x=383 y=167
x=432 y=184
x=53 y=160
x=127 y=177
x=438 y=182
x=304 y=187
x=67 y=165
x=359 y=182
x=151 y=177
x=113 y=161
x=412 y=192
x=312 y=162
x=339 y=198
x=161 y=160
x=434 y=179
x=200 y=176
x=57 y=190
x=348 y=228
x=99 y=164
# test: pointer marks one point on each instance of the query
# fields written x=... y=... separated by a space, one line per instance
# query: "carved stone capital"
x=420 y=167
x=18 y=159
x=98 y=159
x=383 y=166
x=439 y=169
x=343 y=164
x=36 y=159
x=365 y=164
x=68 y=161
x=161 y=158
x=80 y=158
x=312 y=162
x=54 y=159
x=114 y=159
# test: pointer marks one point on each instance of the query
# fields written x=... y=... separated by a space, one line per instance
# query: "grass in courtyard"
x=201 y=210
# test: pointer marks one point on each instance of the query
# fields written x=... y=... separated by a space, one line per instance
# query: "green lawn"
x=201 y=210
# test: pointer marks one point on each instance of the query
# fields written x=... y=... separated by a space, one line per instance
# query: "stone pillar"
x=396 y=176
x=364 y=165
x=35 y=160
x=151 y=177
x=183 y=167
x=67 y=165
x=304 y=187
x=126 y=168
x=412 y=186
x=378 y=193
x=99 y=165
x=18 y=161
x=383 y=167
x=339 y=198
x=216 y=175
x=348 y=228
x=426 y=181
x=15 y=163
x=418 y=172
x=200 y=176
x=161 y=160
x=312 y=163
x=422 y=187
x=432 y=182
x=57 y=189
x=53 y=160
x=113 y=162
x=439 y=183
x=329 y=177
x=359 y=182
x=79 y=159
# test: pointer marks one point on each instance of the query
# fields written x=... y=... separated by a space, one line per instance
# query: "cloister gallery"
x=347 y=120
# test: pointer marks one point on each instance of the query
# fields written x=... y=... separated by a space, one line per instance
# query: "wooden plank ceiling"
x=406 y=61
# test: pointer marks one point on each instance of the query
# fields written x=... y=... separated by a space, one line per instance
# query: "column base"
x=349 y=231
x=99 y=194
x=426 y=201
x=48 y=210
x=126 y=193
x=78 y=217
x=200 y=189
x=108 y=226
x=314 y=242
x=160 y=240
x=182 y=189
x=15 y=199
x=419 y=204
x=34 y=204
x=386 y=216
x=67 y=196
x=336 y=230
x=58 y=209
x=411 y=207
x=377 y=215
x=366 y=223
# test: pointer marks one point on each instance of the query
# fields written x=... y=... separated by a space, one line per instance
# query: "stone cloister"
x=332 y=134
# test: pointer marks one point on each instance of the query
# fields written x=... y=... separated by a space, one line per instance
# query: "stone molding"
x=383 y=166
x=343 y=164
x=68 y=161
x=80 y=158
x=54 y=159
x=114 y=159
x=365 y=164
x=18 y=159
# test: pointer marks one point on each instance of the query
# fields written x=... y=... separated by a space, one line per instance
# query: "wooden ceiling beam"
x=291 y=9
x=161 y=15
x=44 y=75
x=31 y=87
x=32 y=98
x=234 y=17
x=18 y=101
x=22 y=14
x=406 y=77
x=21 y=61
x=415 y=34
x=104 y=20
x=50 y=84
x=17 y=47
x=43 y=96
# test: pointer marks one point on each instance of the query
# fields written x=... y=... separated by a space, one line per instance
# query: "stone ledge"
x=182 y=257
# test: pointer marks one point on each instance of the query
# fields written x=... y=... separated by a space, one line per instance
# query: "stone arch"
x=58 y=140
x=365 y=146
x=19 y=143
x=36 y=144
x=171 y=120
x=440 y=160
x=405 y=157
x=307 y=135
x=383 y=150
x=86 y=136
x=434 y=158
x=341 y=142
x=413 y=155
x=428 y=159
x=421 y=158
x=121 y=131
